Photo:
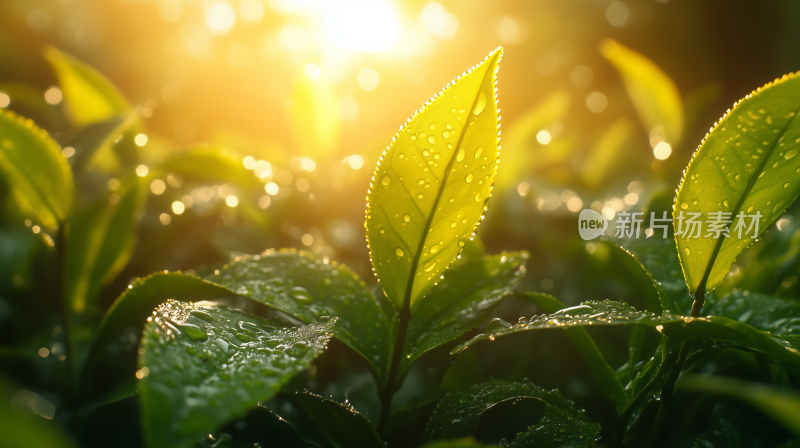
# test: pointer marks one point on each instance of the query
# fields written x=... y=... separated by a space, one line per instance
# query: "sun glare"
x=220 y=18
x=361 y=25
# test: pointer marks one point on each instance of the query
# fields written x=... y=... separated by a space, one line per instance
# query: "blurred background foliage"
x=201 y=128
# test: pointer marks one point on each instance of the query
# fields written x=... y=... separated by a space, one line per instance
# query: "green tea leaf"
x=341 y=424
x=605 y=154
x=22 y=428
x=460 y=302
x=659 y=259
x=459 y=414
x=308 y=287
x=522 y=150
x=778 y=316
x=782 y=349
x=210 y=164
x=653 y=93
x=260 y=428
x=742 y=177
x=603 y=373
x=89 y=97
x=430 y=189
x=202 y=367
x=101 y=241
x=37 y=173
x=98 y=137
x=781 y=405
x=136 y=304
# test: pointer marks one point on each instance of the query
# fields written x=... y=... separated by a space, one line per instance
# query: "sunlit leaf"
x=460 y=412
x=585 y=345
x=101 y=241
x=308 y=287
x=464 y=299
x=89 y=97
x=210 y=164
x=315 y=116
x=606 y=152
x=653 y=93
x=430 y=189
x=521 y=149
x=136 y=304
x=781 y=405
x=781 y=348
x=743 y=175
x=208 y=365
x=22 y=428
x=37 y=173
x=341 y=425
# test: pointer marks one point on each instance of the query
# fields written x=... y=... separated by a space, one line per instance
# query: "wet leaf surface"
x=341 y=425
x=208 y=365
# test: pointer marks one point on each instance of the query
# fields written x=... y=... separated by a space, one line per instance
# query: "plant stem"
x=61 y=296
x=390 y=387
x=672 y=376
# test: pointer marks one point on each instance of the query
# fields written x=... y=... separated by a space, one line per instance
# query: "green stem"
x=672 y=377
x=390 y=387
x=61 y=288
x=616 y=441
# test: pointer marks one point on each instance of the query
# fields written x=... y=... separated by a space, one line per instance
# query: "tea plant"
x=226 y=354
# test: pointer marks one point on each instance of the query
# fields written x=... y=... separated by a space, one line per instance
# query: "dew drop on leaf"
x=469 y=177
x=460 y=155
x=193 y=331
x=407 y=218
x=480 y=104
x=429 y=266
x=399 y=252
x=496 y=325
x=385 y=180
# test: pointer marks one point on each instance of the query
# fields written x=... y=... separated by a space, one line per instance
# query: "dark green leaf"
x=460 y=412
x=602 y=372
x=101 y=241
x=133 y=307
x=464 y=299
x=507 y=418
x=89 y=96
x=659 y=259
x=676 y=328
x=308 y=287
x=341 y=424
x=430 y=189
x=781 y=405
x=746 y=166
x=38 y=174
x=202 y=367
x=778 y=316
x=260 y=428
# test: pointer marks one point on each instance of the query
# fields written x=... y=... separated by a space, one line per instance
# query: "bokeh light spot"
x=140 y=139
x=5 y=100
x=543 y=137
x=361 y=25
x=368 y=78
x=355 y=162
x=438 y=21
x=596 y=102
x=220 y=18
x=53 y=95
x=662 y=150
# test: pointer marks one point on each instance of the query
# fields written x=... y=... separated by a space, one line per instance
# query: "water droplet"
x=426 y=153
x=478 y=197
x=725 y=203
x=193 y=331
x=786 y=185
x=402 y=156
x=478 y=152
x=749 y=209
x=202 y=315
x=460 y=155
x=496 y=325
x=684 y=205
x=461 y=243
x=446 y=134
x=687 y=251
x=429 y=266
x=435 y=248
x=469 y=177
x=300 y=293
x=464 y=221
x=385 y=180
x=419 y=196
x=480 y=104
x=413 y=137
x=399 y=252
x=407 y=218
x=421 y=181
x=453 y=225
x=431 y=139
x=243 y=337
